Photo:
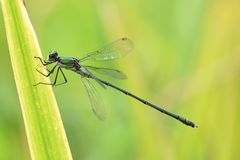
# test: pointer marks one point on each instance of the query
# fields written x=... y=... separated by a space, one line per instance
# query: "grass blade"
x=43 y=124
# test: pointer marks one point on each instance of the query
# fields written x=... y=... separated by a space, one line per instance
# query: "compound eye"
x=53 y=55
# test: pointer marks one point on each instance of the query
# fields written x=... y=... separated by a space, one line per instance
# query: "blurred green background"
x=186 y=58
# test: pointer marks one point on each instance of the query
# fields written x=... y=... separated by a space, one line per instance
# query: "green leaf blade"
x=43 y=124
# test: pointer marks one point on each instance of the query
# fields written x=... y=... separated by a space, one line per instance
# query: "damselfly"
x=115 y=50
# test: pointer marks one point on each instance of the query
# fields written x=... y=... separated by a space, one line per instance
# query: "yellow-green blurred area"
x=186 y=59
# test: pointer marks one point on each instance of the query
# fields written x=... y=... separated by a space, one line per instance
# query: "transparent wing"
x=108 y=71
x=85 y=69
x=114 y=50
x=95 y=99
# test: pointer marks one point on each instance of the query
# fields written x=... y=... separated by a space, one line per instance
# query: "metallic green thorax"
x=73 y=64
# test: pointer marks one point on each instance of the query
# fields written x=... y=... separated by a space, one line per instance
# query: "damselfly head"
x=53 y=56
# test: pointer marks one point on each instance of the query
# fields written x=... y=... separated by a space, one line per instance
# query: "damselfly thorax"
x=73 y=64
